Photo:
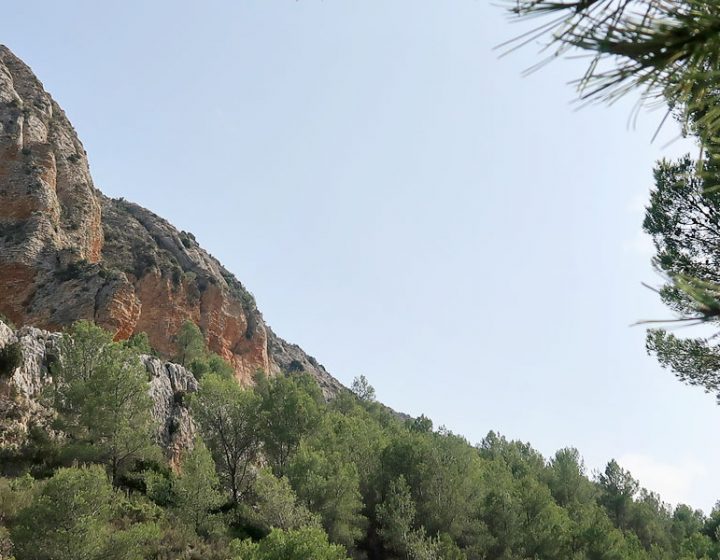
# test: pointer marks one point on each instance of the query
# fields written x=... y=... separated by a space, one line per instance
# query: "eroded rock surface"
x=169 y=386
x=67 y=252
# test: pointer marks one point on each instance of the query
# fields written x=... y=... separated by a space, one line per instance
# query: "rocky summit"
x=67 y=252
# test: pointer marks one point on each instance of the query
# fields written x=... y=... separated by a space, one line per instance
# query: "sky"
x=401 y=202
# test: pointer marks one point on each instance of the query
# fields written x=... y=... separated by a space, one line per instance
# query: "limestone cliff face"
x=67 y=252
x=21 y=409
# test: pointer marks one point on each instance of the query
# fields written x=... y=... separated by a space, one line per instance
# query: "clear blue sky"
x=401 y=202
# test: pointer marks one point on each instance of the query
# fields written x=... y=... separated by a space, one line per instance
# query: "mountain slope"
x=68 y=252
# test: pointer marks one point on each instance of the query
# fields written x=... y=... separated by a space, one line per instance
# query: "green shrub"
x=12 y=231
x=139 y=343
x=177 y=276
x=73 y=270
x=303 y=544
x=295 y=367
x=187 y=239
x=144 y=261
x=11 y=358
x=7 y=321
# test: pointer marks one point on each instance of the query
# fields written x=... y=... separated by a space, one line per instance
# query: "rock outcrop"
x=20 y=390
x=169 y=385
x=67 y=252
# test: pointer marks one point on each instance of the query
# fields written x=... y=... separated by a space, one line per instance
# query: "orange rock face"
x=164 y=308
x=121 y=312
x=69 y=253
x=16 y=279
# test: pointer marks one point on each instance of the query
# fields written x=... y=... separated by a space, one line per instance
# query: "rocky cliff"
x=20 y=390
x=68 y=252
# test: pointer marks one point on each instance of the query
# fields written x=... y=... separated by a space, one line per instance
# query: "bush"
x=4 y=318
x=73 y=270
x=11 y=358
x=187 y=239
x=144 y=261
x=289 y=545
x=177 y=276
x=295 y=367
x=139 y=343
x=11 y=232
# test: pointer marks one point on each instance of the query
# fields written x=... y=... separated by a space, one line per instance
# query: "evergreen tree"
x=190 y=344
x=303 y=544
x=69 y=519
x=100 y=390
x=396 y=515
x=362 y=389
x=329 y=486
x=77 y=515
x=277 y=506
x=228 y=418
x=618 y=491
x=669 y=50
x=290 y=410
x=566 y=479
x=197 y=488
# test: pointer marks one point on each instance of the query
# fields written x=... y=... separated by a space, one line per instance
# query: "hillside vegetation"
x=276 y=472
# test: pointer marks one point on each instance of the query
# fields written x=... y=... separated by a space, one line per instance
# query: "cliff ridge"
x=67 y=252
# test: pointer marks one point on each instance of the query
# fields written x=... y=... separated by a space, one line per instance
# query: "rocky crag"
x=20 y=391
x=68 y=252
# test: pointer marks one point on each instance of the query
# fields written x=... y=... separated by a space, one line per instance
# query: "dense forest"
x=276 y=472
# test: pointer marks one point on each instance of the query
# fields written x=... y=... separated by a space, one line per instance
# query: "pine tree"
x=100 y=390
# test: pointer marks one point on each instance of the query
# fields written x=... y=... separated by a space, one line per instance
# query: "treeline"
x=276 y=473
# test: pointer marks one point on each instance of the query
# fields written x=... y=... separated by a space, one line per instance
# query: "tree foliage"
x=100 y=390
x=683 y=219
x=277 y=505
x=328 y=485
x=301 y=544
x=287 y=475
x=197 y=489
x=669 y=50
x=289 y=410
x=190 y=344
x=72 y=518
x=228 y=418
x=362 y=389
x=11 y=358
